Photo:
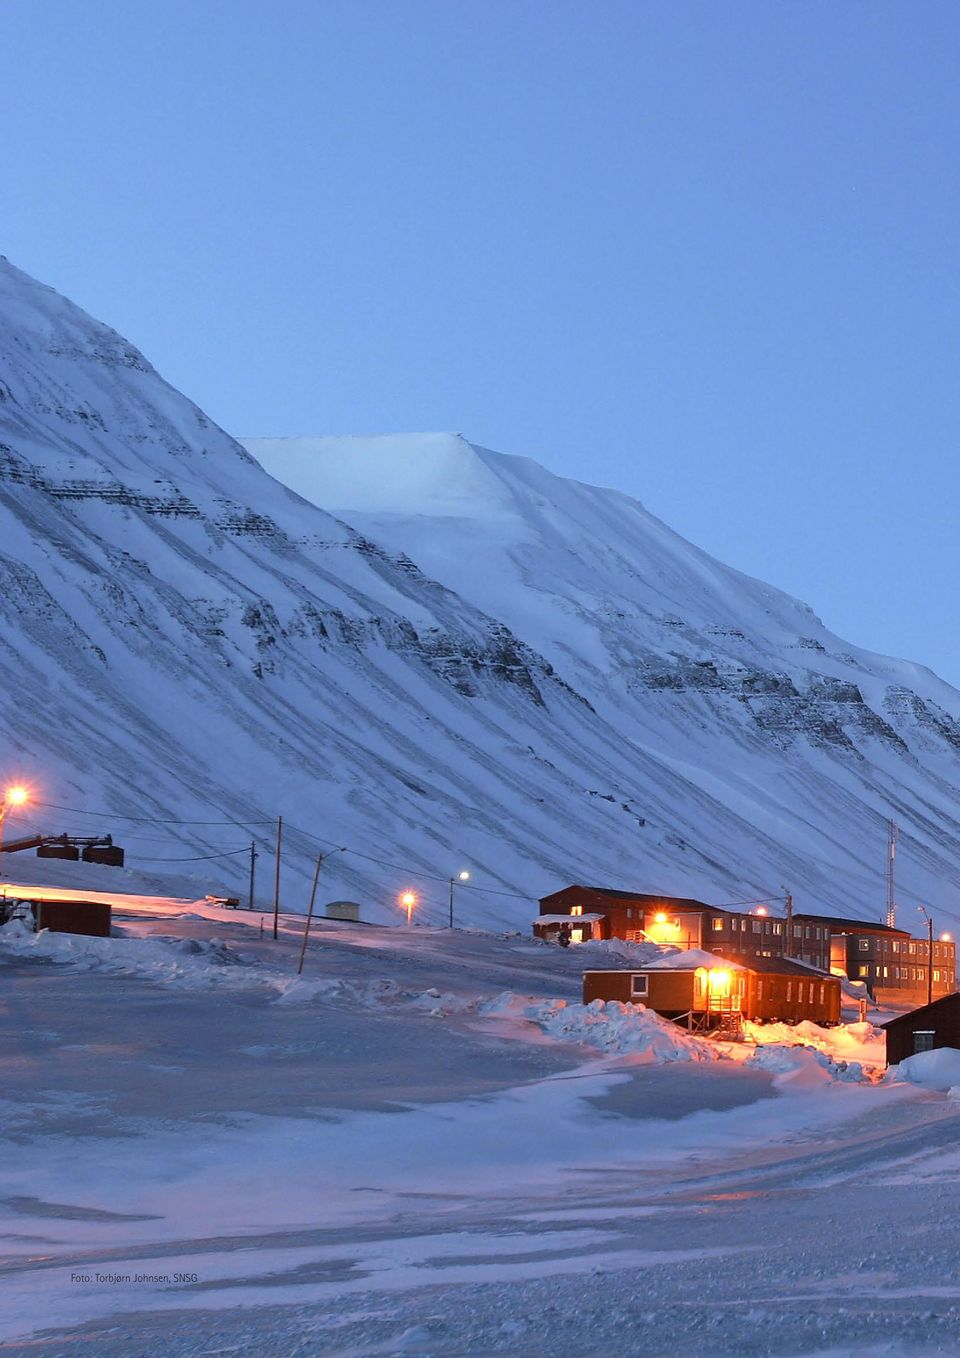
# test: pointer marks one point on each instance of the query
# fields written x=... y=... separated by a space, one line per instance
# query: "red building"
x=641 y=917
x=704 y=991
x=896 y=968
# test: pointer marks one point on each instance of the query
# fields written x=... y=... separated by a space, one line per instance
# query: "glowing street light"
x=17 y=795
x=408 y=900
x=460 y=877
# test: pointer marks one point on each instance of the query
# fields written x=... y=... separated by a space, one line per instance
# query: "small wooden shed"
x=932 y=1025
x=703 y=988
x=72 y=917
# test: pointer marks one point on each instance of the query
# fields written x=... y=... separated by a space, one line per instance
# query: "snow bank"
x=939 y=1069
x=609 y=1025
x=860 y=1042
x=804 y=1067
x=179 y=962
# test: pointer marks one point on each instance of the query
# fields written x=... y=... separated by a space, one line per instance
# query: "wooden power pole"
x=276 y=880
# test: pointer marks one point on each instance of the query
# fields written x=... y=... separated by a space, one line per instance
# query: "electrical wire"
x=152 y=820
x=201 y=858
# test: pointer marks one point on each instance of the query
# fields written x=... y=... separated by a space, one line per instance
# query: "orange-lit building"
x=638 y=917
x=703 y=991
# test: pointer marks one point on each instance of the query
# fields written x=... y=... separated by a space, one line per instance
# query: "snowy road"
x=373 y=1162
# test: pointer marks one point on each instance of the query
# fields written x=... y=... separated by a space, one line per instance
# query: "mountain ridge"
x=185 y=638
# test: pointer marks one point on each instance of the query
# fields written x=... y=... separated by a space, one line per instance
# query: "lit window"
x=777 y=927
x=717 y=923
x=639 y=985
x=789 y=990
x=863 y=971
x=896 y=945
x=576 y=909
x=936 y=974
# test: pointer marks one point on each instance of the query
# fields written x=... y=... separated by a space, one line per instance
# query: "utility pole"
x=253 y=869
x=893 y=834
x=313 y=897
x=460 y=877
x=276 y=879
x=929 y=919
x=788 y=912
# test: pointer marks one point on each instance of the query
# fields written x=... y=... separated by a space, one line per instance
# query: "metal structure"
x=91 y=848
x=893 y=834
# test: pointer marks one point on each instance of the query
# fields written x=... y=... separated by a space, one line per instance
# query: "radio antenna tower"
x=893 y=834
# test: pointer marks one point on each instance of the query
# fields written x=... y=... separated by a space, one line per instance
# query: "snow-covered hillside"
x=766 y=749
x=457 y=660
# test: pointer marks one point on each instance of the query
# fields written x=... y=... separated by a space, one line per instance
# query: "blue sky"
x=705 y=253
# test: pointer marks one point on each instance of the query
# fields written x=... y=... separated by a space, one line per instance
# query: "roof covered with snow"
x=691 y=960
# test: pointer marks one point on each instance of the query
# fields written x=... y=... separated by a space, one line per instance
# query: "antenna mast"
x=893 y=834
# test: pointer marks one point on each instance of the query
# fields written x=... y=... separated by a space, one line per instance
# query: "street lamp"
x=929 y=953
x=14 y=796
x=460 y=877
x=408 y=900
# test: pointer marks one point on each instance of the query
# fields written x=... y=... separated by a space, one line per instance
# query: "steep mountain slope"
x=736 y=695
x=489 y=667
x=186 y=639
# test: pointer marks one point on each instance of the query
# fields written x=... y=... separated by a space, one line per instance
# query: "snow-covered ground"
x=427 y=1145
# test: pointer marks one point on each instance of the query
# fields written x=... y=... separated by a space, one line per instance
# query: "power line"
x=201 y=858
x=152 y=820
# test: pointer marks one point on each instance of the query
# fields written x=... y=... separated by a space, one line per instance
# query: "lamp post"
x=408 y=900
x=313 y=896
x=460 y=877
x=929 y=953
x=14 y=796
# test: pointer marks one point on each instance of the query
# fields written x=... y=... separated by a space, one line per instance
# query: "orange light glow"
x=719 y=981
x=16 y=796
x=946 y=938
x=408 y=900
x=660 y=918
x=761 y=910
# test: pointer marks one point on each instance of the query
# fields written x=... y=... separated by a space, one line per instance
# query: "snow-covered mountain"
x=450 y=659
x=758 y=738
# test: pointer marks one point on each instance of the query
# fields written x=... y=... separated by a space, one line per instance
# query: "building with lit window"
x=703 y=991
x=638 y=917
x=896 y=968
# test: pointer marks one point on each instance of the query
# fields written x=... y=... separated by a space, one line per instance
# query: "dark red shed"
x=932 y=1025
x=72 y=917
